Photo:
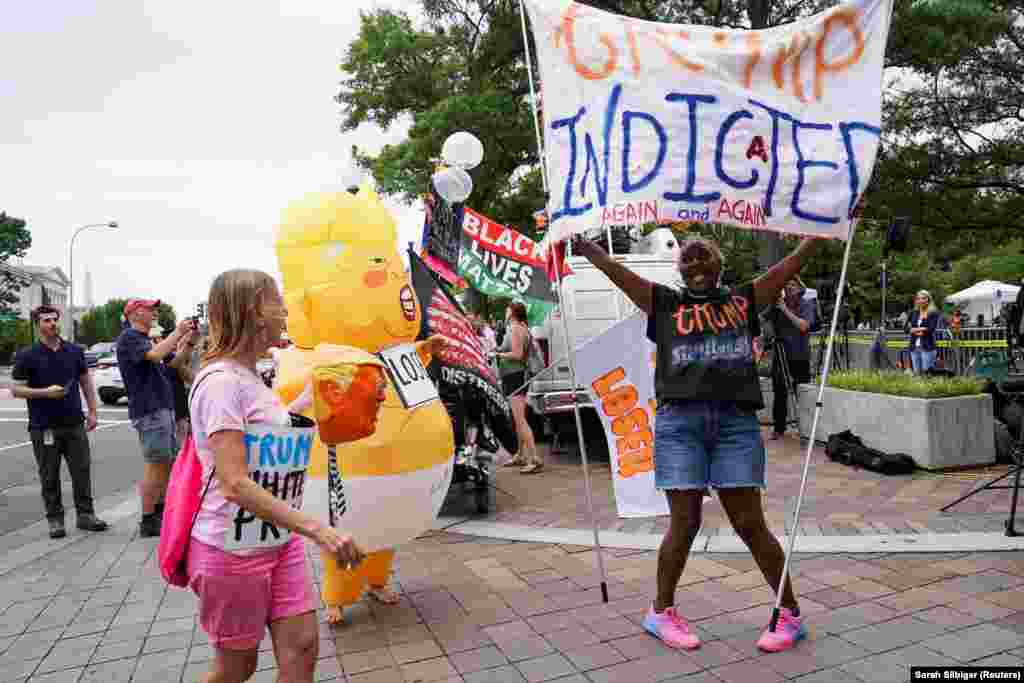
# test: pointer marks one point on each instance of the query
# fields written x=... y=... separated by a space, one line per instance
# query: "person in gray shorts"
x=150 y=402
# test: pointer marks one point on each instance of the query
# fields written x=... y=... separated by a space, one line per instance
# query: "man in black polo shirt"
x=150 y=402
x=49 y=375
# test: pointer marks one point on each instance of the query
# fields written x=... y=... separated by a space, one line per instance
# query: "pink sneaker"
x=788 y=631
x=671 y=629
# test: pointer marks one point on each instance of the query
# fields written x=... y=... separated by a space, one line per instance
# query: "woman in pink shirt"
x=246 y=559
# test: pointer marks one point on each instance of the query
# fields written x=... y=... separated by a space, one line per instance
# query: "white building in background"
x=46 y=284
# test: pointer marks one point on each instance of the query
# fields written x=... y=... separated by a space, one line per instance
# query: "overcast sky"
x=191 y=123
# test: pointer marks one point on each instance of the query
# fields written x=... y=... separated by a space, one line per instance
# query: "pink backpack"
x=181 y=508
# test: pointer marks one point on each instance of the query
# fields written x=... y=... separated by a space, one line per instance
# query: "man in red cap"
x=150 y=402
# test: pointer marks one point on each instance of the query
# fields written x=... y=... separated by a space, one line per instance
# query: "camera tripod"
x=780 y=369
x=1009 y=393
x=840 y=352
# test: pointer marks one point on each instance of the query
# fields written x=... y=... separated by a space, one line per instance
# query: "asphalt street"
x=116 y=464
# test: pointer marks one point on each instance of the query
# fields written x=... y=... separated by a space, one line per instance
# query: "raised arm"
x=158 y=352
x=639 y=290
x=768 y=286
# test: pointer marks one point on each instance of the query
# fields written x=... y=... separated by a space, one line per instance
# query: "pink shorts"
x=239 y=595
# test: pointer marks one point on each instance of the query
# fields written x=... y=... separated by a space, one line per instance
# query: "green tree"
x=14 y=336
x=952 y=158
x=15 y=240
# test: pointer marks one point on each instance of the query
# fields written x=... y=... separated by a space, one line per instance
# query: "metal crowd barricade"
x=971 y=344
x=962 y=352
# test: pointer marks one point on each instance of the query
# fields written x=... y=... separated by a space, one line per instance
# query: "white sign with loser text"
x=620 y=379
x=409 y=376
x=277 y=458
x=774 y=130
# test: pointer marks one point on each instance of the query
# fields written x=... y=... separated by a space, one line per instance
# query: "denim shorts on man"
x=698 y=444
x=157 y=436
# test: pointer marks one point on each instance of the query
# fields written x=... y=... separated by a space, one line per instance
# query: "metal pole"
x=885 y=286
x=71 y=287
x=533 y=101
x=571 y=350
x=823 y=380
x=71 y=273
x=571 y=356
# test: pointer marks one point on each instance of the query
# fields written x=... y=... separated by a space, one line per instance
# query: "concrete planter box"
x=939 y=434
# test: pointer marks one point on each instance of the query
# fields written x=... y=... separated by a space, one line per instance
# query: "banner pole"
x=533 y=102
x=822 y=381
x=571 y=357
x=570 y=350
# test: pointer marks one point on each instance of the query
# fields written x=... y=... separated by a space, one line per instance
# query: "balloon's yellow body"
x=345 y=284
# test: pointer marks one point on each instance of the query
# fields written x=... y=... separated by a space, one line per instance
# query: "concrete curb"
x=41 y=546
x=877 y=543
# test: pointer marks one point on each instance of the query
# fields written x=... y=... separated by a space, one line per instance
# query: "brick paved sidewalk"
x=839 y=500
x=492 y=611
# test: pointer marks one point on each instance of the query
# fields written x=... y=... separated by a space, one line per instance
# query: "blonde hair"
x=931 y=302
x=236 y=308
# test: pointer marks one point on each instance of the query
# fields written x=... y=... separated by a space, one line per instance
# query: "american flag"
x=464 y=348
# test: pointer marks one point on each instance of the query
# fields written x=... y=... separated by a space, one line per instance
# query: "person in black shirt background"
x=52 y=375
x=706 y=433
x=792 y=319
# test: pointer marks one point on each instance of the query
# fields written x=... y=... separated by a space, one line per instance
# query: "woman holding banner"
x=706 y=431
x=512 y=366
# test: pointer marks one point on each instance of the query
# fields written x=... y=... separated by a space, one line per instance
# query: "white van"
x=593 y=305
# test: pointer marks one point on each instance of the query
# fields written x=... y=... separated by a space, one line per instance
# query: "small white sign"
x=411 y=380
x=277 y=458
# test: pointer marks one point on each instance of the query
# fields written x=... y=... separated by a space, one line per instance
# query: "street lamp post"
x=71 y=273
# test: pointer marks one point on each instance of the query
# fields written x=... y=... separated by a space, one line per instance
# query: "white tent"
x=984 y=298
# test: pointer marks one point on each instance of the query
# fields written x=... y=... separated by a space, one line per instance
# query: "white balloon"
x=453 y=184
x=462 y=150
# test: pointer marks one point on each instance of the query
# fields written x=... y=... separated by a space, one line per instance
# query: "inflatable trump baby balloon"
x=345 y=284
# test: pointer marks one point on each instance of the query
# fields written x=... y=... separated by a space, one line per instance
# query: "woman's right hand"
x=584 y=247
x=344 y=549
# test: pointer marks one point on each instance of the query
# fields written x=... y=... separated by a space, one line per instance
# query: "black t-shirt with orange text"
x=705 y=345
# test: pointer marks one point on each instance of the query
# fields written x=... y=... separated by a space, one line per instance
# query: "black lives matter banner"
x=501 y=262
x=461 y=368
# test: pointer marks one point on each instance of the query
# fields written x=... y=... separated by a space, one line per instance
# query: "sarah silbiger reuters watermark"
x=967 y=673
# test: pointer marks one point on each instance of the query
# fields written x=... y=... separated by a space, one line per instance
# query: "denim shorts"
x=157 y=436
x=698 y=444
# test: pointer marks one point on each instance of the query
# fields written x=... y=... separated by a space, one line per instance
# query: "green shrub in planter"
x=901 y=384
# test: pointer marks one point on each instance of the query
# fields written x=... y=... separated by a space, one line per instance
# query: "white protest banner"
x=277 y=458
x=770 y=130
x=620 y=380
